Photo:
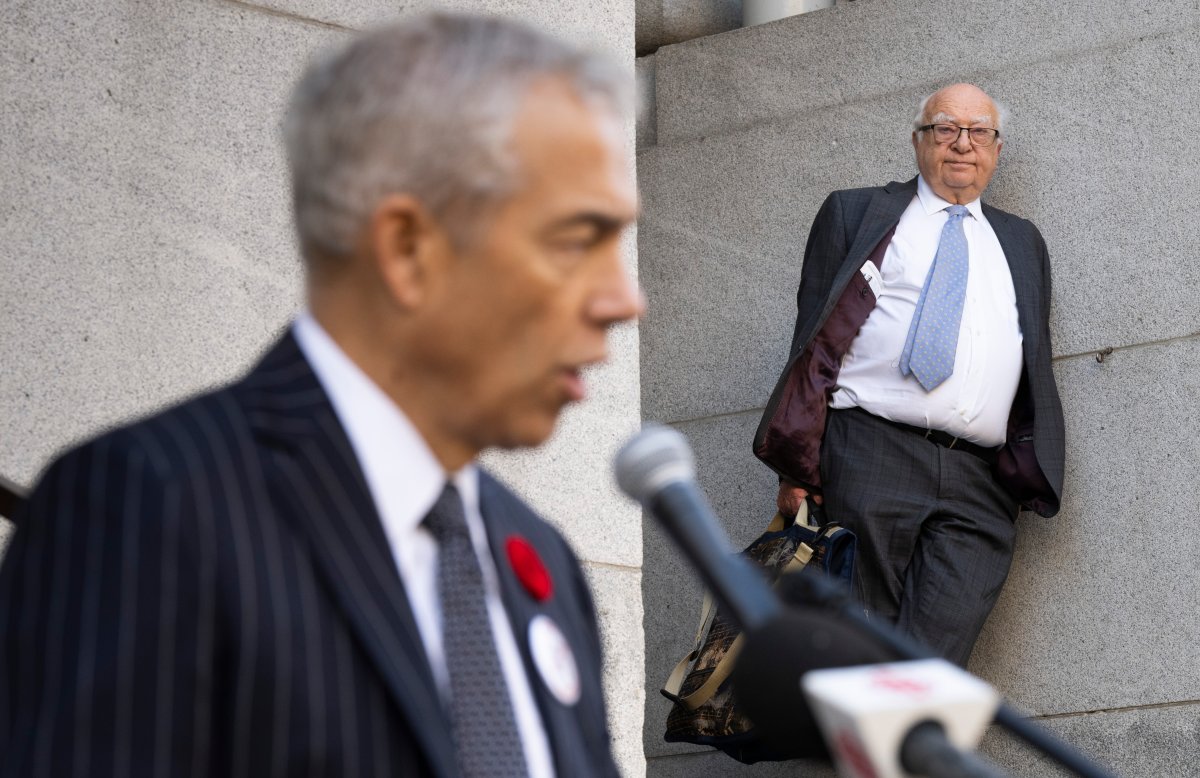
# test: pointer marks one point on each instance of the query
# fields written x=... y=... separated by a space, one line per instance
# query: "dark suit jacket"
x=210 y=592
x=853 y=227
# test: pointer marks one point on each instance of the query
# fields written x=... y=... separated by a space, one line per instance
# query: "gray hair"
x=425 y=107
x=919 y=116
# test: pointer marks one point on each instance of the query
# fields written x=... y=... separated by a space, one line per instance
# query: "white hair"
x=920 y=121
x=426 y=108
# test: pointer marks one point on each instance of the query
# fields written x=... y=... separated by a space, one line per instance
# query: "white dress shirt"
x=974 y=402
x=405 y=480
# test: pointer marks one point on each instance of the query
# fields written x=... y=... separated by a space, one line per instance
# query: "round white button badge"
x=554 y=660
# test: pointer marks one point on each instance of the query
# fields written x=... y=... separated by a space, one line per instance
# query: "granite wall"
x=1096 y=631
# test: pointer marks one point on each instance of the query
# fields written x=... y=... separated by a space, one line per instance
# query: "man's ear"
x=408 y=248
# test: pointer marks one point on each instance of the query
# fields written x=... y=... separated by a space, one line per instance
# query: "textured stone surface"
x=606 y=24
x=619 y=608
x=717 y=764
x=742 y=203
x=1099 y=611
x=855 y=52
x=647 y=128
x=660 y=22
x=1142 y=743
x=146 y=219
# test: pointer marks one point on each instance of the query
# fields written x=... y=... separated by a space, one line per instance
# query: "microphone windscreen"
x=652 y=459
x=774 y=657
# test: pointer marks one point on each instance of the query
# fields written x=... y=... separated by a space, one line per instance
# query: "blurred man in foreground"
x=305 y=573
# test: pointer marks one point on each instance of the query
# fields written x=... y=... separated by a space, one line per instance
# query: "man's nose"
x=963 y=142
x=617 y=297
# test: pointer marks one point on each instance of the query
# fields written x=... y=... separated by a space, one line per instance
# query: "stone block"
x=1123 y=272
x=742 y=493
x=1138 y=743
x=619 y=609
x=648 y=30
x=716 y=763
x=1099 y=610
x=855 y=52
x=647 y=131
x=661 y=22
x=604 y=24
x=147 y=217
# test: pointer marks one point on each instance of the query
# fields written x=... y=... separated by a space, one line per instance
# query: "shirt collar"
x=932 y=203
x=402 y=472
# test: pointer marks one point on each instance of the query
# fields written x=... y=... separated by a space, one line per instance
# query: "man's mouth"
x=573 y=384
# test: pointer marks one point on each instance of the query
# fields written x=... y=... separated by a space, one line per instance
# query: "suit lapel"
x=562 y=722
x=1023 y=267
x=317 y=483
x=882 y=214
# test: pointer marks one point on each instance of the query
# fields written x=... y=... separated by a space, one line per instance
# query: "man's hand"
x=791 y=497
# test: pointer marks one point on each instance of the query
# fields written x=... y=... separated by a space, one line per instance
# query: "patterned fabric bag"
x=704 y=711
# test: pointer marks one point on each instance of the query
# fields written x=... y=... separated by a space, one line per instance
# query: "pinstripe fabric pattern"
x=209 y=592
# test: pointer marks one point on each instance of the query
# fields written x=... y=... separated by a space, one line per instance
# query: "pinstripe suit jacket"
x=853 y=227
x=210 y=592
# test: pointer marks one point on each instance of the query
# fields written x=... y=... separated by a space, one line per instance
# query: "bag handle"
x=802 y=556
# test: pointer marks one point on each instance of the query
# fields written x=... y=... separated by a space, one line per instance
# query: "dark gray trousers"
x=935 y=531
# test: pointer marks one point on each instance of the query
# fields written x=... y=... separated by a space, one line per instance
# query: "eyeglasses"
x=949 y=133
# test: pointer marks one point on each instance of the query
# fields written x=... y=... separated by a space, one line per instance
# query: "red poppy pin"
x=528 y=566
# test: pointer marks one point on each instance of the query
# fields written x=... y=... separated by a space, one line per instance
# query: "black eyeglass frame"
x=968 y=130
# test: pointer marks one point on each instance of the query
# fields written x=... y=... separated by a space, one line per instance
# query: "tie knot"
x=447 y=518
x=957 y=211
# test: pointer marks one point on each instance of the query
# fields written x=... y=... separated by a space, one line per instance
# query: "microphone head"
x=653 y=459
x=774 y=659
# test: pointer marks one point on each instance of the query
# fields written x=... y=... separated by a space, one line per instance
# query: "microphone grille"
x=652 y=459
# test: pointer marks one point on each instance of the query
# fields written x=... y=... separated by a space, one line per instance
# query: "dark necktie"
x=486 y=738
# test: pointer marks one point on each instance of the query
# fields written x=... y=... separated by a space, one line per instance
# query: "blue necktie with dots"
x=933 y=335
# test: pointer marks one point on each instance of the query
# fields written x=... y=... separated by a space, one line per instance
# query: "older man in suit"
x=919 y=402
x=305 y=573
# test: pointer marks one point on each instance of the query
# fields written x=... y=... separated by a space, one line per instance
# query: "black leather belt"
x=937 y=437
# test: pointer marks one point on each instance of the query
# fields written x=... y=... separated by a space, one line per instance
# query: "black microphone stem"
x=820 y=591
x=926 y=751
x=739 y=589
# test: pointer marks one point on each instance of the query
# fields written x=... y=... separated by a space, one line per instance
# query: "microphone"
x=657 y=469
x=907 y=718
